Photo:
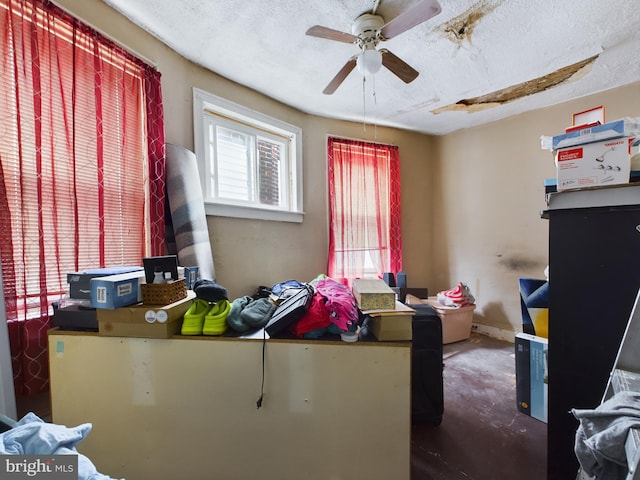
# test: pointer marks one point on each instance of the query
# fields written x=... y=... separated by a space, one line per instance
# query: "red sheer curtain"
x=81 y=167
x=365 y=238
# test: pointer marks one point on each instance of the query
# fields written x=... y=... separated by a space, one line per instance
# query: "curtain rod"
x=342 y=137
x=107 y=36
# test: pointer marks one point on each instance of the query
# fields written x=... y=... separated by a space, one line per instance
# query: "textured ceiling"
x=478 y=61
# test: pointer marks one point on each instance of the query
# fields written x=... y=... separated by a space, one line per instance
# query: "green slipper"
x=215 y=321
x=194 y=317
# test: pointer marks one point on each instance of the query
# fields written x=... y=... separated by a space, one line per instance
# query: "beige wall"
x=488 y=197
x=470 y=200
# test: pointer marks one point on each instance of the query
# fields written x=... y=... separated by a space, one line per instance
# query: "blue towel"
x=33 y=436
x=601 y=435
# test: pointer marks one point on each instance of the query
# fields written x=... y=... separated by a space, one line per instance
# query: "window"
x=81 y=166
x=250 y=164
x=364 y=209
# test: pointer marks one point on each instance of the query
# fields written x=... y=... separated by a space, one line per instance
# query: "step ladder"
x=625 y=377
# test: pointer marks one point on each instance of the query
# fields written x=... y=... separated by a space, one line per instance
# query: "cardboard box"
x=456 y=322
x=532 y=375
x=144 y=321
x=594 y=164
x=373 y=294
x=116 y=291
x=394 y=324
x=391 y=327
x=586 y=118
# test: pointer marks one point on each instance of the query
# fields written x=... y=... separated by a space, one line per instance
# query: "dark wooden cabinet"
x=594 y=270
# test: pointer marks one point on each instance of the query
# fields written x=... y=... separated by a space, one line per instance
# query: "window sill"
x=221 y=210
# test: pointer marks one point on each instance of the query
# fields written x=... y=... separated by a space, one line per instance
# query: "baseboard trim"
x=494 y=332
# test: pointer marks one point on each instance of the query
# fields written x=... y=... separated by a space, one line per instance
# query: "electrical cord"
x=264 y=348
x=285 y=295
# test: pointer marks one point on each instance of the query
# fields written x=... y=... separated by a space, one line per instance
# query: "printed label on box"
x=124 y=289
x=571 y=154
x=101 y=294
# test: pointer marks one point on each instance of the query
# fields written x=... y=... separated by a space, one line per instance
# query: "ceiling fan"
x=368 y=30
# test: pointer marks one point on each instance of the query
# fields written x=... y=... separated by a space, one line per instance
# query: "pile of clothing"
x=457 y=297
x=332 y=309
x=601 y=435
x=33 y=436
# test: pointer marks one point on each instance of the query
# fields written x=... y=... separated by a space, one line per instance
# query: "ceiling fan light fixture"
x=369 y=62
x=368 y=30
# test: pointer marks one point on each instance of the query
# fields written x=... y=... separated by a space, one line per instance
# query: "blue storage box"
x=115 y=291
x=80 y=282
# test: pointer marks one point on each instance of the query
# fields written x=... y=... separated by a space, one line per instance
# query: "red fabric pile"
x=459 y=296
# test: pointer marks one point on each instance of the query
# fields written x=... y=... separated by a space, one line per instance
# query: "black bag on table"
x=290 y=310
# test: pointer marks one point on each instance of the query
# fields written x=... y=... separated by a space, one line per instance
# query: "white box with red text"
x=594 y=164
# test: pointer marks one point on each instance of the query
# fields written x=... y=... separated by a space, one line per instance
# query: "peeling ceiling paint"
x=478 y=61
x=515 y=92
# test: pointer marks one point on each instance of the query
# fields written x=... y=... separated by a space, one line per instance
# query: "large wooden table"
x=185 y=407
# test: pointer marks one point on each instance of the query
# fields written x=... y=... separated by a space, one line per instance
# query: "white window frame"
x=206 y=104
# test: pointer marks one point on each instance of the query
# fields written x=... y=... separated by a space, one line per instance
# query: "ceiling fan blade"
x=398 y=67
x=421 y=12
x=331 y=34
x=339 y=78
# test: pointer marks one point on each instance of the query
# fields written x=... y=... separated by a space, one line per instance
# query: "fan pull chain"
x=375 y=110
x=364 y=104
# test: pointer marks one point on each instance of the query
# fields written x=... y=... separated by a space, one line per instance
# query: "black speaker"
x=401 y=279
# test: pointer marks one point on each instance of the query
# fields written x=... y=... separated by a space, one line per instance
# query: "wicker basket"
x=164 y=293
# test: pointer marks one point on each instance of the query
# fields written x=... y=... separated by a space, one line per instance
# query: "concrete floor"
x=482 y=434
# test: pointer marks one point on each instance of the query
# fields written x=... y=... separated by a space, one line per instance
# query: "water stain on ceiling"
x=460 y=28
